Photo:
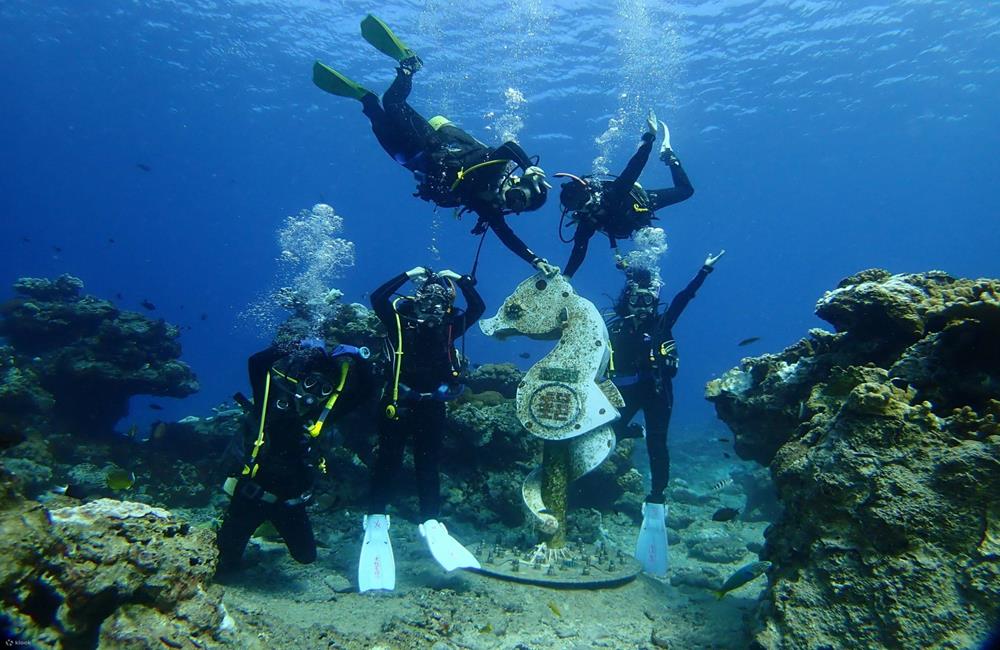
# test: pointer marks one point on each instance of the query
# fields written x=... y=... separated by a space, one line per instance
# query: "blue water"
x=822 y=138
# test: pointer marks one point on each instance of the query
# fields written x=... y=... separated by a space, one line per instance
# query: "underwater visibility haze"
x=178 y=159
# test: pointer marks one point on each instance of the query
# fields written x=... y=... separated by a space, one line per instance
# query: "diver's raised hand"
x=547 y=269
x=449 y=274
x=651 y=123
x=535 y=176
x=712 y=259
x=417 y=272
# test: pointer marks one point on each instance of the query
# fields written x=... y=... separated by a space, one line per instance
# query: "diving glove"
x=548 y=270
x=535 y=176
x=651 y=124
x=712 y=259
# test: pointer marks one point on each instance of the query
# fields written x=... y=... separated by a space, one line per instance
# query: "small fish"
x=555 y=609
x=148 y=305
x=119 y=479
x=203 y=316
x=111 y=240
x=748 y=341
x=159 y=431
x=721 y=484
x=726 y=455
x=722 y=439
x=525 y=355
x=144 y=167
x=725 y=514
x=132 y=432
x=72 y=491
x=118 y=296
x=156 y=407
x=486 y=629
x=742 y=576
x=57 y=249
x=25 y=240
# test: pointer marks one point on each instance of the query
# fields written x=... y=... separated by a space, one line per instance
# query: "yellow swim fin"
x=382 y=39
x=335 y=83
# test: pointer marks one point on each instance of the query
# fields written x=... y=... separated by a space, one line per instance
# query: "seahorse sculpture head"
x=537 y=309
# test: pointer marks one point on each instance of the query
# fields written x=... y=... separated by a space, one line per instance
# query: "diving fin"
x=377 y=566
x=382 y=39
x=448 y=552
x=335 y=83
x=651 y=547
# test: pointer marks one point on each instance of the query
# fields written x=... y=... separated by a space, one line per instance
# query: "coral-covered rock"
x=85 y=355
x=113 y=573
x=502 y=378
x=884 y=444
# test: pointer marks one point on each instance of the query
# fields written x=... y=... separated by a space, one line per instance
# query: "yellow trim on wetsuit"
x=317 y=426
x=391 y=411
x=462 y=173
x=260 y=431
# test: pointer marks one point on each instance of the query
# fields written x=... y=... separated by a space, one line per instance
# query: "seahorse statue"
x=560 y=398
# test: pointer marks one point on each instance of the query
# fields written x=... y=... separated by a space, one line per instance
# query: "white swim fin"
x=377 y=567
x=449 y=553
x=651 y=547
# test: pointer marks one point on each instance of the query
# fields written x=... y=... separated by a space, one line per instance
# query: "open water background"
x=822 y=138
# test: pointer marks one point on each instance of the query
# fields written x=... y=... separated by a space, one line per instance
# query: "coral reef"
x=23 y=402
x=84 y=356
x=502 y=378
x=108 y=573
x=884 y=444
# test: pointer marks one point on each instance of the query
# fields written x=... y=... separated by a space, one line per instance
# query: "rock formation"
x=884 y=442
x=108 y=573
x=84 y=355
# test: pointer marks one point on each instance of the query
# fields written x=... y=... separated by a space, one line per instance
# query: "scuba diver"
x=452 y=168
x=425 y=373
x=643 y=364
x=274 y=462
x=619 y=206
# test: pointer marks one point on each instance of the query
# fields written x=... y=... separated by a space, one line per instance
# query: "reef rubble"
x=883 y=439
x=106 y=573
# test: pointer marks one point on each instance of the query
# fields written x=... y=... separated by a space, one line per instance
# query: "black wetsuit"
x=645 y=362
x=279 y=489
x=437 y=156
x=619 y=208
x=428 y=363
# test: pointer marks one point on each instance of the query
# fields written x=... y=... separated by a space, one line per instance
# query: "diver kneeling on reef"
x=295 y=395
x=452 y=168
x=425 y=373
x=643 y=364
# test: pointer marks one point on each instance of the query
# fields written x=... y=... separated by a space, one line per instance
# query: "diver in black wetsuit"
x=452 y=168
x=425 y=373
x=296 y=395
x=645 y=363
x=618 y=207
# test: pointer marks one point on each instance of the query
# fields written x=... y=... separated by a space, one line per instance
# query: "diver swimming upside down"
x=452 y=168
